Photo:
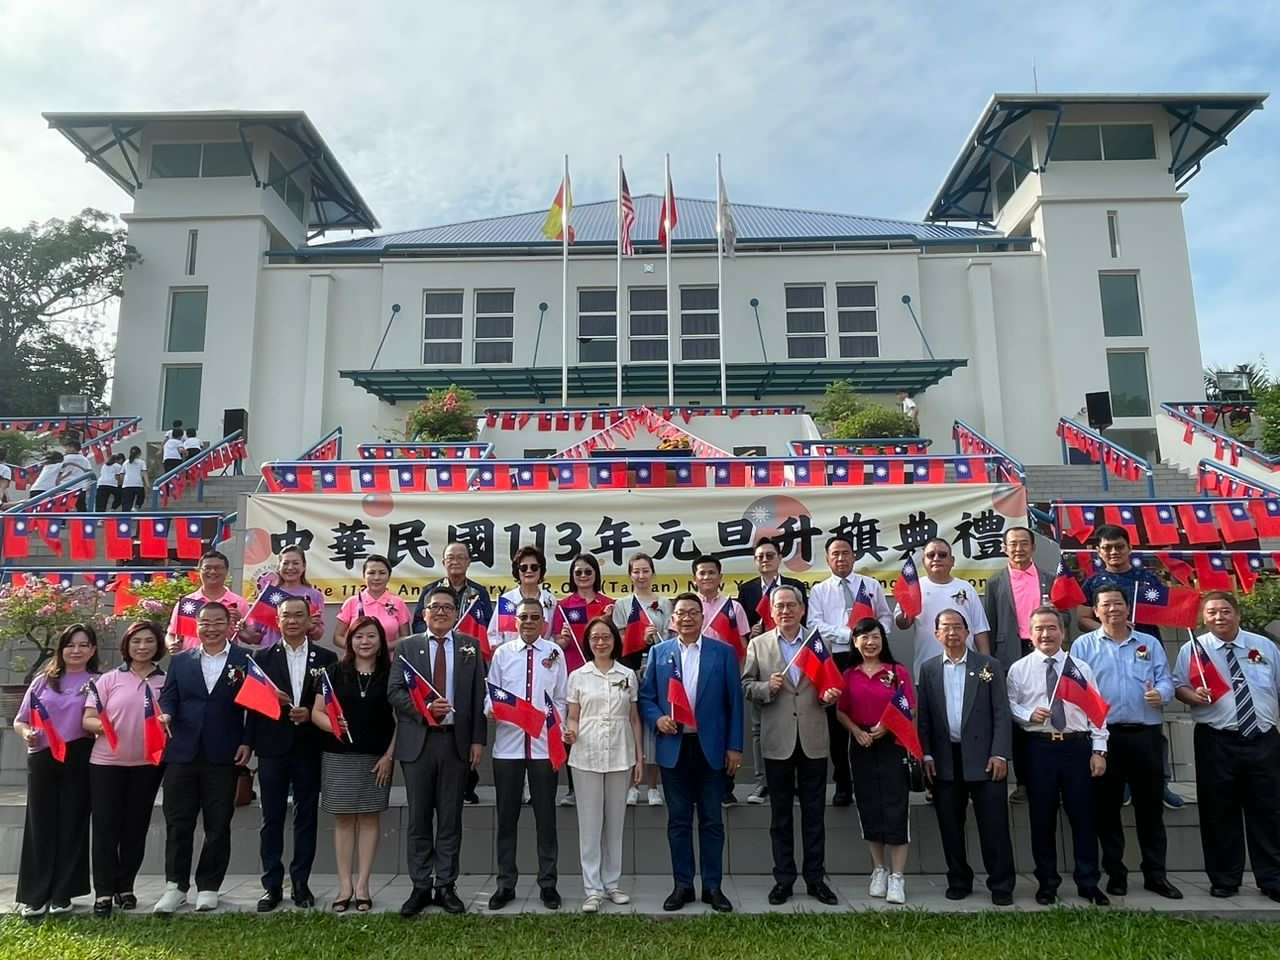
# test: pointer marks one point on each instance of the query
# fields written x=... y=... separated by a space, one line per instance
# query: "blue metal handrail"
x=1114 y=447
x=335 y=433
x=1013 y=467
x=1244 y=480
x=1226 y=441
x=43 y=503
x=207 y=453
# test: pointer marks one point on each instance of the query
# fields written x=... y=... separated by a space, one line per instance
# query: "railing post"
x=1063 y=442
x=1102 y=462
x=1151 y=484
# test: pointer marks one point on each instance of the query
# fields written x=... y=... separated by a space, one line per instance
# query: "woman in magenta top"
x=374 y=601
x=876 y=759
x=54 y=865
x=122 y=780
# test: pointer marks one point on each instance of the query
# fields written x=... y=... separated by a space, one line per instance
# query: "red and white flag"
x=667 y=216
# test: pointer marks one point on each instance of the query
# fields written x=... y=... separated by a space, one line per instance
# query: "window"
x=1127 y=378
x=856 y=320
x=806 y=323
x=1107 y=141
x=181 y=397
x=1014 y=173
x=227 y=159
x=175 y=160
x=648 y=324
x=495 y=326
x=442 y=327
x=597 y=326
x=1121 y=312
x=187 y=310
x=1113 y=233
x=699 y=323
x=193 y=240
x=286 y=187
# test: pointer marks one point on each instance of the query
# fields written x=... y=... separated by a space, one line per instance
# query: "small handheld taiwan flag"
x=1204 y=673
x=333 y=709
x=257 y=692
x=1065 y=593
x=421 y=692
x=108 y=728
x=154 y=736
x=897 y=720
x=724 y=627
x=678 y=697
x=40 y=721
x=469 y=625
x=263 y=612
x=906 y=590
x=1074 y=688
x=862 y=608
x=508 y=708
x=633 y=637
x=814 y=661
x=185 y=621
x=556 y=752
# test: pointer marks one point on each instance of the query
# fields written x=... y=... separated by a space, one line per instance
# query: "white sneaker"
x=897 y=889
x=170 y=900
x=30 y=912
x=207 y=900
x=633 y=796
x=592 y=904
x=879 y=882
x=655 y=797
x=617 y=896
x=569 y=800
x=60 y=909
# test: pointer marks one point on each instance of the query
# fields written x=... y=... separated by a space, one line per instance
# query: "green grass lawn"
x=1074 y=934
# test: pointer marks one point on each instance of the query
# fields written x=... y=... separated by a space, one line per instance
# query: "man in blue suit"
x=695 y=762
x=206 y=744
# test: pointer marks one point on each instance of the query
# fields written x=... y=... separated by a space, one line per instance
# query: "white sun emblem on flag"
x=1151 y=595
x=759 y=516
x=499 y=695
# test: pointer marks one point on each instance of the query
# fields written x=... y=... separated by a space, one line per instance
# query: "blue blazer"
x=719 y=702
x=199 y=719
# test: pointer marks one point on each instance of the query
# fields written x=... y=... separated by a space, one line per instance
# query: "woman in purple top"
x=291 y=577
x=122 y=781
x=876 y=759
x=54 y=865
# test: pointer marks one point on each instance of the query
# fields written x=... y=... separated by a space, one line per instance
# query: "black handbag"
x=913 y=767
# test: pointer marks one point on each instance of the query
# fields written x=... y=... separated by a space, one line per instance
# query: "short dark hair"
x=705 y=558
x=215 y=606
x=837 y=539
x=767 y=542
x=616 y=651
x=375 y=558
x=1027 y=530
x=1109 y=588
x=937 y=621
x=530 y=602
x=687 y=595
x=291 y=598
x=1109 y=531
x=942 y=540
x=591 y=562
x=214 y=555
x=1225 y=595
x=1044 y=610
x=869 y=625
x=523 y=554
x=445 y=590
x=137 y=627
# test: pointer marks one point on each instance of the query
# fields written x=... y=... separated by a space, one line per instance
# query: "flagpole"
x=617 y=297
x=564 y=286
x=671 y=319
x=720 y=283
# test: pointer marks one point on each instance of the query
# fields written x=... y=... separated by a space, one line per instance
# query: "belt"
x=1056 y=737
x=442 y=728
x=1132 y=727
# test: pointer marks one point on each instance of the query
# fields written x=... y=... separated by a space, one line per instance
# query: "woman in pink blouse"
x=876 y=759
x=122 y=780
x=54 y=864
x=374 y=601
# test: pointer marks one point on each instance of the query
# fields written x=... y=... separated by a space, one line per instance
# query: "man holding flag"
x=940 y=591
x=792 y=697
x=213 y=568
x=1066 y=751
x=722 y=618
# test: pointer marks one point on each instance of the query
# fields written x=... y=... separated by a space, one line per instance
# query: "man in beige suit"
x=794 y=742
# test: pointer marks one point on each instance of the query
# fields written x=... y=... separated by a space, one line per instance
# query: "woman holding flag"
x=290 y=579
x=124 y=775
x=374 y=601
x=54 y=865
x=357 y=764
x=644 y=618
x=876 y=757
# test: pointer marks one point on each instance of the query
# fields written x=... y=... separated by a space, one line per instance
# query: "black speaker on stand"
x=233 y=420
x=1098 y=406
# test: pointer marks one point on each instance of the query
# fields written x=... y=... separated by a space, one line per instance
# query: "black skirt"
x=880 y=790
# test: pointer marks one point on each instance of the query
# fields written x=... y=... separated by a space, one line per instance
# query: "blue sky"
x=443 y=112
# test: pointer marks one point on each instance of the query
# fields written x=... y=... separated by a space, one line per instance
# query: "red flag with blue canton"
x=421 y=692
x=572 y=476
x=1248 y=569
x=108 y=728
x=412 y=479
x=1235 y=522
x=16 y=531
x=335 y=480
x=509 y=708
x=1160 y=525
x=651 y=474
x=724 y=627
x=886 y=471
x=1074 y=688
x=897 y=720
x=764 y=610
x=847 y=473
x=333 y=709
x=678 y=697
x=1198 y=523
x=1125 y=518
x=690 y=474
x=84 y=538
x=1166 y=606
x=374 y=479
x=929 y=471
x=815 y=663
x=1065 y=592
x=40 y=721
x=769 y=474
x=153 y=732
x=1202 y=672
x=906 y=589
x=297 y=480
x=572 y=612
x=808 y=473
x=637 y=627
x=732 y=473
x=971 y=470
x=190 y=538
x=451 y=479
x=469 y=625
x=153 y=538
x=185 y=622
x=1266 y=515
x=1178 y=568
x=862 y=608
x=556 y=752
x=263 y=611
x=507 y=622
x=609 y=476
x=257 y=692
x=493 y=478
x=50 y=530
x=532 y=477
x=1212 y=572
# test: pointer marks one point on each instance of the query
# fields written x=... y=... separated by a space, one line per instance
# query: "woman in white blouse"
x=658 y=611
x=604 y=729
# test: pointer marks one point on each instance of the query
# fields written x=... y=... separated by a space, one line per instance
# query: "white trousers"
x=602 y=810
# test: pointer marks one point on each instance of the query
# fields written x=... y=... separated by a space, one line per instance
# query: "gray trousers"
x=434 y=784
x=508 y=779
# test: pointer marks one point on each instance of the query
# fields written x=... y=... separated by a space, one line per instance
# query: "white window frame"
x=477 y=339
x=689 y=339
x=790 y=313
x=872 y=311
x=460 y=316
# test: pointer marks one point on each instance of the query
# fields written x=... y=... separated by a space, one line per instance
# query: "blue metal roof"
x=596 y=224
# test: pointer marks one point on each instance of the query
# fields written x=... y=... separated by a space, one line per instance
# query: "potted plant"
x=445 y=416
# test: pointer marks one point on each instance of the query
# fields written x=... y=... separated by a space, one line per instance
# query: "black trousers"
x=275 y=776
x=1241 y=780
x=434 y=784
x=54 y=863
x=208 y=791
x=881 y=791
x=123 y=798
x=131 y=498
x=839 y=736
x=1019 y=757
x=107 y=498
x=1058 y=772
x=951 y=800
x=508 y=781
x=1135 y=756
x=806 y=778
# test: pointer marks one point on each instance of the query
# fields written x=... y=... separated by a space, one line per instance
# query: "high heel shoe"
x=363 y=905
x=341 y=906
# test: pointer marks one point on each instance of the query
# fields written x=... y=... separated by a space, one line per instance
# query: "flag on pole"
x=724 y=626
x=764 y=610
x=154 y=736
x=559 y=214
x=108 y=728
x=1203 y=672
x=509 y=708
x=421 y=692
x=667 y=216
x=896 y=718
x=469 y=625
x=906 y=590
x=40 y=721
x=678 y=697
x=1166 y=606
x=627 y=215
x=725 y=227
x=862 y=608
x=556 y=752
x=814 y=661
x=333 y=709
x=257 y=692
x=1074 y=688
x=637 y=626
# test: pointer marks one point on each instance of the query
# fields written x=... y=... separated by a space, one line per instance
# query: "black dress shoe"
x=270 y=900
x=1046 y=897
x=842 y=798
x=501 y=897
x=1118 y=887
x=780 y=894
x=678 y=898
x=1223 y=892
x=718 y=901
x=302 y=896
x=550 y=898
x=471 y=797
x=1167 y=890
x=418 y=901
x=822 y=893
x=958 y=893
x=1002 y=899
x=126 y=901
x=102 y=907
x=448 y=898
x=1095 y=896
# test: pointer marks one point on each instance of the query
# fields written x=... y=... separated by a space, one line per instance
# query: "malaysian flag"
x=626 y=215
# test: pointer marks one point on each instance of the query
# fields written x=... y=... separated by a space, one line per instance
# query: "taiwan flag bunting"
x=1248 y=567
x=335 y=479
x=421 y=692
x=108 y=728
x=451 y=479
x=84 y=539
x=1160 y=524
x=374 y=480
x=690 y=474
x=847 y=473
x=651 y=474
x=1074 y=688
x=333 y=709
x=1166 y=606
x=257 y=692
x=1266 y=515
x=1198 y=523
x=862 y=608
x=906 y=590
x=153 y=538
x=493 y=478
x=185 y=621
x=897 y=720
x=16 y=532
x=571 y=612
x=1178 y=568
x=50 y=531
x=929 y=471
x=412 y=479
x=730 y=474
x=556 y=752
x=572 y=476
x=1204 y=673
x=1235 y=522
x=154 y=736
x=508 y=708
x=971 y=470
x=609 y=476
x=637 y=626
x=532 y=478
x=40 y=721
x=190 y=536
x=1125 y=518
x=814 y=661
x=769 y=474
x=297 y=480
x=469 y=625
x=678 y=697
x=1079 y=521
x=724 y=627
x=808 y=473
x=1212 y=572
x=124 y=597
x=1065 y=593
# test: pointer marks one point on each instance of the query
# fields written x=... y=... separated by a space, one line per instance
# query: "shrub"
x=445 y=416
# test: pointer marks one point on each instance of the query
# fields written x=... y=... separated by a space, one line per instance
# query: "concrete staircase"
x=1084 y=482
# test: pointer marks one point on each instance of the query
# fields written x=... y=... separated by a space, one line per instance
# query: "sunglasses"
x=537 y=568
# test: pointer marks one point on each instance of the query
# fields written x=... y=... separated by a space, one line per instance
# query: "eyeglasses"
x=784 y=607
x=685 y=614
x=441 y=607
x=536 y=568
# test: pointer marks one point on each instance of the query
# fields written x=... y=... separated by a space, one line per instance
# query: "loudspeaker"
x=233 y=420
x=1099 y=407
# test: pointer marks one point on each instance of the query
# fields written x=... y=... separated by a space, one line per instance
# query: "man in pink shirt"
x=213 y=569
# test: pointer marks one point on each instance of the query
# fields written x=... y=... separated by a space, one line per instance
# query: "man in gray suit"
x=793 y=740
x=965 y=726
x=435 y=757
x=1010 y=597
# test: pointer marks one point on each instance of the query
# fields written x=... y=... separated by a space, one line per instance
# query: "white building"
x=1075 y=279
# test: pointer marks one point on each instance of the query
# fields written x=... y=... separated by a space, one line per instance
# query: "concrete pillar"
x=986 y=349
x=311 y=414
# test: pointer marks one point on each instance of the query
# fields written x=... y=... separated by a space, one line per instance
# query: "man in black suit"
x=206 y=744
x=435 y=757
x=966 y=731
x=288 y=752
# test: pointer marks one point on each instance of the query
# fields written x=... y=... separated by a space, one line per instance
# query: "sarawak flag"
x=724 y=627
x=556 y=752
x=1203 y=673
x=678 y=697
x=814 y=661
x=862 y=608
x=1066 y=592
x=561 y=212
x=257 y=692
x=421 y=692
x=469 y=625
x=153 y=733
x=508 y=708
x=40 y=721
x=333 y=709
x=1166 y=606
x=667 y=216
x=108 y=728
x=1074 y=688
x=637 y=626
x=897 y=720
x=907 y=589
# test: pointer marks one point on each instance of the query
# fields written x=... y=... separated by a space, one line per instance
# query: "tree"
x=53 y=275
x=848 y=415
x=445 y=416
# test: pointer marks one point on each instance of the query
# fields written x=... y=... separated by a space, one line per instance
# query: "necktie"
x=440 y=670
x=1057 y=709
x=528 y=692
x=847 y=592
x=1246 y=719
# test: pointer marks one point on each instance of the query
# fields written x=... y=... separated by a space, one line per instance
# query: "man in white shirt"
x=530 y=668
x=940 y=591
x=830 y=605
x=909 y=407
x=722 y=618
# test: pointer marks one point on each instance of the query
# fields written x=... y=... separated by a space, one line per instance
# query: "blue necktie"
x=1246 y=719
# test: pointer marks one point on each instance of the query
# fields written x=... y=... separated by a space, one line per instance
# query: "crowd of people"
x=625 y=691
